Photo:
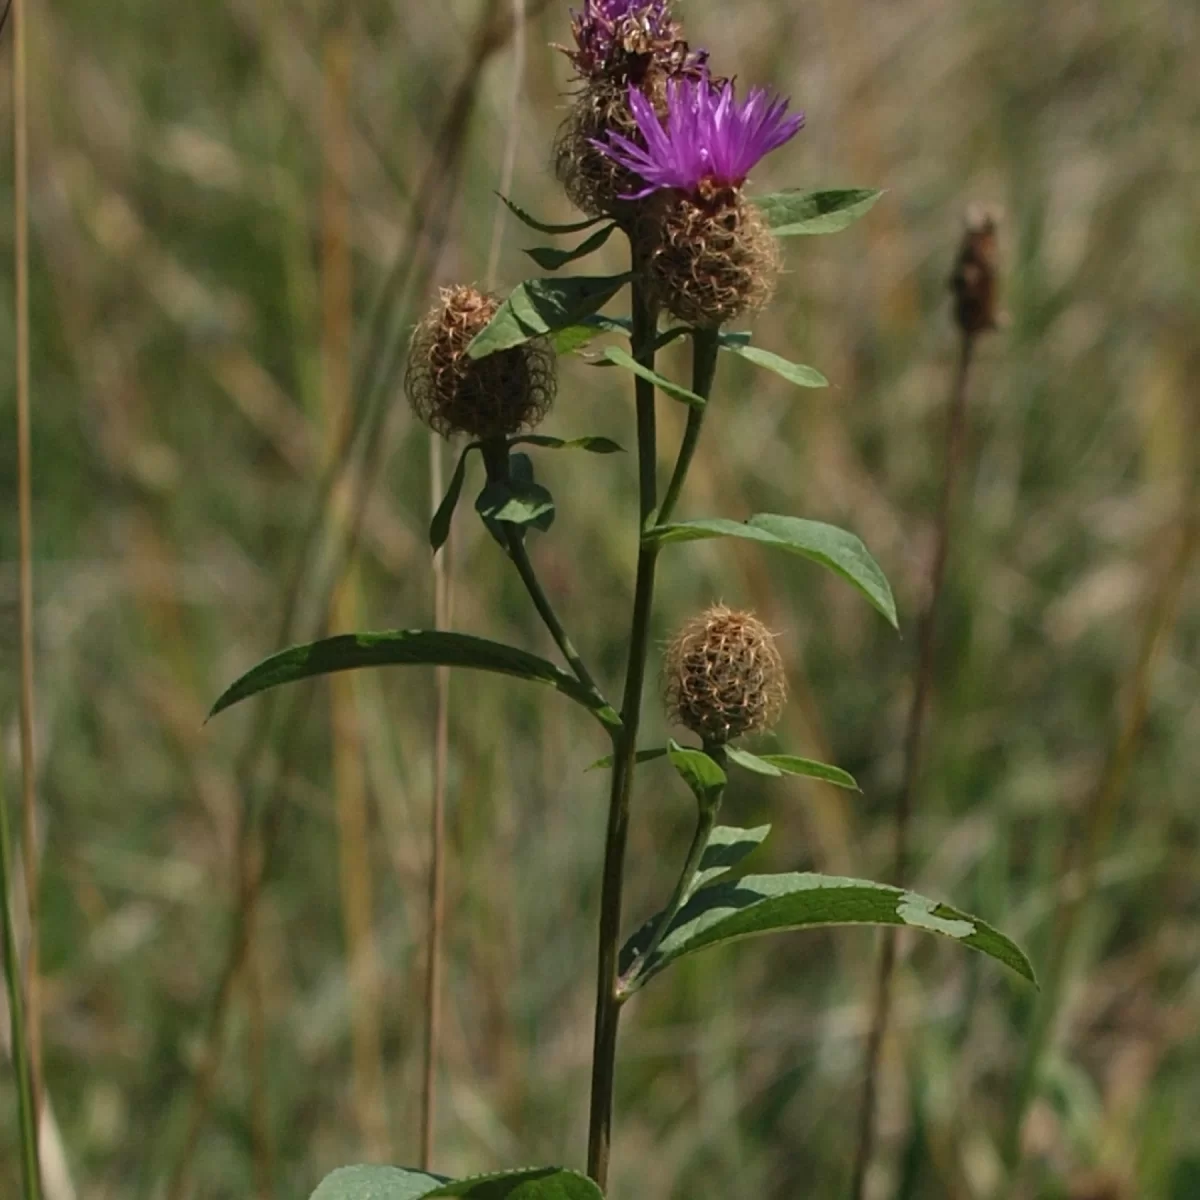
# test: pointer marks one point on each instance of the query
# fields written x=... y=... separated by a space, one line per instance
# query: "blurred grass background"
x=189 y=397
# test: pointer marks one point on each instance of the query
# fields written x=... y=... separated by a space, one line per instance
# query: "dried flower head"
x=711 y=141
x=974 y=281
x=488 y=397
x=723 y=677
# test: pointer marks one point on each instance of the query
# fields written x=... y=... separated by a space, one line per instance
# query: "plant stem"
x=705 y=349
x=608 y=984
x=16 y=1017
x=705 y=821
x=604 y=1044
x=914 y=742
x=520 y=556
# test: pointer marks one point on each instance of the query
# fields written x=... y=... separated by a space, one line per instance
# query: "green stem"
x=705 y=348
x=608 y=984
x=604 y=1042
x=16 y=1014
x=705 y=821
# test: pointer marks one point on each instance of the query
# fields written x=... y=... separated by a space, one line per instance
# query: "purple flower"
x=711 y=141
x=604 y=26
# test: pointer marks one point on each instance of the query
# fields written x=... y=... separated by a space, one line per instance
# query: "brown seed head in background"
x=975 y=279
x=723 y=677
x=491 y=397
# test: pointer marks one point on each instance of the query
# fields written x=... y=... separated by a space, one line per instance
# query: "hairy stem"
x=914 y=742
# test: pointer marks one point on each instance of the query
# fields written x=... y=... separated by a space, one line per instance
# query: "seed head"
x=974 y=281
x=708 y=260
x=723 y=677
x=488 y=397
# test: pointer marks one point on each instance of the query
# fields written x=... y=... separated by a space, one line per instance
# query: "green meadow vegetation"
x=238 y=212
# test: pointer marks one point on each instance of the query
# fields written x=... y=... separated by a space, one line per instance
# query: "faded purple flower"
x=711 y=141
x=604 y=28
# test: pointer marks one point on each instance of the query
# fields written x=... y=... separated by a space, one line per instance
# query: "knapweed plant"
x=659 y=149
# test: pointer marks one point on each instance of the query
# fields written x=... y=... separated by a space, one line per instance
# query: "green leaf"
x=408 y=647
x=791 y=214
x=551 y=259
x=777 y=765
x=376 y=1183
x=517 y=502
x=574 y=337
x=834 y=548
x=439 y=527
x=594 y=445
x=398 y=1183
x=539 y=307
x=727 y=846
x=801 y=376
x=700 y=772
x=619 y=358
x=545 y=226
x=758 y=904
x=642 y=756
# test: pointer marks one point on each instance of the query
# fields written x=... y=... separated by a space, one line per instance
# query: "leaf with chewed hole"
x=760 y=904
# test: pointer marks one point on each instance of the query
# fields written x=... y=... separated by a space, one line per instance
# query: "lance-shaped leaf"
x=409 y=647
x=546 y=226
x=539 y=307
x=549 y=258
x=700 y=772
x=592 y=444
x=439 y=527
x=727 y=846
x=793 y=214
x=778 y=765
x=574 y=337
x=797 y=373
x=398 y=1183
x=620 y=358
x=759 y=904
x=834 y=548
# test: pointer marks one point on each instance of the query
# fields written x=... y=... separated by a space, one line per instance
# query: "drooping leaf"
x=397 y=1183
x=792 y=214
x=642 y=756
x=517 y=502
x=539 y=307
x=777 y=765
x=574 y=337
x=594 y=445
x=699 y=772
x=727 y=846
x=376 y=1183
x=801 y=376
x=439 y=527
x=620 y=358
x=834 y=548
x=758 y=904
x=546 y=226
x=408 y=647
x=549 y=258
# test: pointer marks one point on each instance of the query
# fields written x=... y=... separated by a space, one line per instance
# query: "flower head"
x=486 y=397
x=723 y=677
x=711 y=140
x=611 y=35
